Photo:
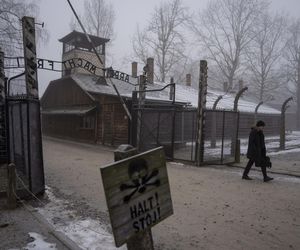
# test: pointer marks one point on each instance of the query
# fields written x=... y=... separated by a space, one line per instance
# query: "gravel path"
x=213 y=207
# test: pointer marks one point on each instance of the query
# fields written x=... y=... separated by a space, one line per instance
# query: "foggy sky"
x=56 y=14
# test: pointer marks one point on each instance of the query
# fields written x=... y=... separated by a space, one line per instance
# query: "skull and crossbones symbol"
x=140 y=178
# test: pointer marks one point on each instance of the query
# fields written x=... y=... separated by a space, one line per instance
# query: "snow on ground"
x=39 y=243
x=292 y=144
x=85 y=232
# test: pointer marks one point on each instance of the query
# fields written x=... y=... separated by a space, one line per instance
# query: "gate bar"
x=223 y=128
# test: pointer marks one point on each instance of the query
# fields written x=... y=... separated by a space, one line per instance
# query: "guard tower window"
x=68 y=47
x=99 y=49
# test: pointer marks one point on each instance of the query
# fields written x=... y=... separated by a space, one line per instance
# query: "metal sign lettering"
x=18 y=62
x=137 y=193
x=110 y=73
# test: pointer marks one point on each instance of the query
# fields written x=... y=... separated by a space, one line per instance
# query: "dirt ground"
x=213 y=207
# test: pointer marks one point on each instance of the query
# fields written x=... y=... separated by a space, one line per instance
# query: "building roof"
x=184 y=94
x=74 y=110
x=79 y=39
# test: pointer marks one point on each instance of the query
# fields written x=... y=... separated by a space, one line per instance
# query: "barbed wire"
x=44 y=204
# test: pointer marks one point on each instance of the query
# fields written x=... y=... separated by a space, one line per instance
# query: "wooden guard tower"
x=77 y=51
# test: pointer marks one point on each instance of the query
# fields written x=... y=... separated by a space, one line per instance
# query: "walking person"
x=256 y=152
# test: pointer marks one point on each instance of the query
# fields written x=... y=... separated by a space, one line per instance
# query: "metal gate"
x=25 y=140
x=185 y=134
x=153 y=126
x=220 y=136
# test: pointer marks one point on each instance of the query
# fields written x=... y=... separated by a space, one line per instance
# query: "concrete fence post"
x=214 y=123
x=282 y=121
x=202 y=93
x=234 y=141
x=238 y=151
x=12 y=187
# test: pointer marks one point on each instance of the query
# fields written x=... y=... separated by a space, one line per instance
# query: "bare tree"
x=292 y=55
x=98 y=18
x=139 y=45
x=163 y=38
x=11 y=12
x=263 y=55
x=224 y=29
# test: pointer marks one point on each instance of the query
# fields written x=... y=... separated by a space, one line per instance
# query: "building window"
x=99 y=49
x=87 y=122
x=68 y=47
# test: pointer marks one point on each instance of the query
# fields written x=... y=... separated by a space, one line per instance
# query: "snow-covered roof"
x=185 y=94
x=227 y=101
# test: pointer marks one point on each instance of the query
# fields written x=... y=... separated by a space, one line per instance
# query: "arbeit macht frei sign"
x=137 y=193
x=81 y=63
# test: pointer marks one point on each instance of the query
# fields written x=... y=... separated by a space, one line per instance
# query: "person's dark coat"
x=256 y=146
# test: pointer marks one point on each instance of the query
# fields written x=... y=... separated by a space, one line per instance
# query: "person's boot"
x=267 y=178
x=246 y=177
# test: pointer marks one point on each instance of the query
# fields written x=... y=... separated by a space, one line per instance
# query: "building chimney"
x=225 y=86
x=150 y=69
x=241 y=84
x=134 y=69
x=188 y=80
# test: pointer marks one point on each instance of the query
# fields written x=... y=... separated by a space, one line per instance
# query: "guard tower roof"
x=79 y=39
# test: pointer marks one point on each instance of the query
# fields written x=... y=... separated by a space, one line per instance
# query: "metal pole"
x=223 y=129
x=141 y=102
x=12 y=187
x=256 y=109
x=29 y=145
x=237 y=97
x=238 y=142
x=282 y=127
x=235 y=108
x=7 y=123
x=298 y=94
x=214 y=123
x=134 y=121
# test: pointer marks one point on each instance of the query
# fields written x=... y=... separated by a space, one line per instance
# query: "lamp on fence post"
x=235 y=142
x=282 y=125
x=256 y=109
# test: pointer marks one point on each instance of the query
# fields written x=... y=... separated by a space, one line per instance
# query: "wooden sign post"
x=137 y=193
